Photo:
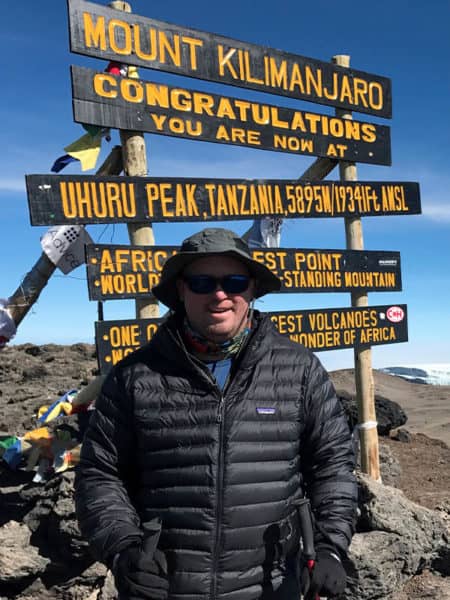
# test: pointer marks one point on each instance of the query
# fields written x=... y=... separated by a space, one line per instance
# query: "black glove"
x=327 y=577
x=140 y=571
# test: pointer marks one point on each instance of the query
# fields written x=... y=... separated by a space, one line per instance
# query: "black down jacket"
x=220 y=471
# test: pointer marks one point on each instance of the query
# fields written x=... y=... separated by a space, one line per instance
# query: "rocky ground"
x=32 y=376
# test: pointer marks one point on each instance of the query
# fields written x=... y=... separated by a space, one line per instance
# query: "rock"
x=53 y=521
x=396 y=540
x=427 y=585
x=34 y=372
x=375 y=565
x=33 y=350
x=88 y=585
x=384 y=508
x=36 y=590
x=19 y=559
x=390 y=469
x=13 y=504
x=401 y=435
x=444 y=506
x=390 y=415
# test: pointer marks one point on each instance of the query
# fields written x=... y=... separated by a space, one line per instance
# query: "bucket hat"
x=212 y=242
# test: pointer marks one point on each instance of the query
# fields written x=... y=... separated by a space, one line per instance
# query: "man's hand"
x=327 y=577
x=140 y=571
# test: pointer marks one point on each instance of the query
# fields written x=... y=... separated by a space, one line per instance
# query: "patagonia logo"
x=266 y=410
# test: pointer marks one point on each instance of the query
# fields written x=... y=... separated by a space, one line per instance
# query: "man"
x=204 y=441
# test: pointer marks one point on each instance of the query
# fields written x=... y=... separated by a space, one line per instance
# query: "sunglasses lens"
x=235 y=284
x=201 y=284
x=205 y=284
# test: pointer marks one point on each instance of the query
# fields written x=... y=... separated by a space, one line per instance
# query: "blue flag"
x=62 y=162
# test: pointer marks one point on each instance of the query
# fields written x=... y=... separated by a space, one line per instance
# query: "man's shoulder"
x=151 y=353
x=282 y=341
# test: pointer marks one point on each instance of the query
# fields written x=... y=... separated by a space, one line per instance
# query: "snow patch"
x=434 y=374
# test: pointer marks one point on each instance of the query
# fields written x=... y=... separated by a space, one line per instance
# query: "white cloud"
x=12 y=185
x=437 y=212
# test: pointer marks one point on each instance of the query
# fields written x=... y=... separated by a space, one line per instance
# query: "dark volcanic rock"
x=390 y=468
x=34 y=372
x=390 y=415
x=402 y=435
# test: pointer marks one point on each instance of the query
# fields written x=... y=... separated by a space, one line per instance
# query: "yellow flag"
x=86 y=150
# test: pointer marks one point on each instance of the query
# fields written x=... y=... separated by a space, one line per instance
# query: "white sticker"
x=395 y=314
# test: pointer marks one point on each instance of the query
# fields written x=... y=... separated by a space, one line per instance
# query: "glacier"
x=434 y=374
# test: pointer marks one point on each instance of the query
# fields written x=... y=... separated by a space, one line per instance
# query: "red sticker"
x=395 y=314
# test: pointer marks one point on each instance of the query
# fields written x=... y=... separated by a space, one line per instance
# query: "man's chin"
x=219 y=333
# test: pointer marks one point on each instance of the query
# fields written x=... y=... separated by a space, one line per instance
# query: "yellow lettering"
x=224 y=109
x=124 y=35
x=248 y=73
x=203 y=103
x=193 y=44
x=107 y=263
x=152 y=44
x=375 y=95
x=166 y=199
x=253 y=137
x=369 y=133
x=172 y=49
x=225 y=61
x=103 y=84
x=360 y=89
x=278 y=73
x=132 y=90
x=276 y=122
x=296 y=79
x=313 y=80
x=222 y=133
x=94 y=34
x=159 y=121
x=181 y=100
x=157 y=95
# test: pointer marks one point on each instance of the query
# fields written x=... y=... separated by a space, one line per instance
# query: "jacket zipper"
x=220 y=418
x=218 y=521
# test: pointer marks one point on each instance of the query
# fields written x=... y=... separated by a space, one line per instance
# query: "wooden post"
x=320 y=168
x=135 y=165
x=35 y=280
x=365 y=392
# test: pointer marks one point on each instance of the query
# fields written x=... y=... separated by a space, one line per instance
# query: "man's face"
x=218 y=315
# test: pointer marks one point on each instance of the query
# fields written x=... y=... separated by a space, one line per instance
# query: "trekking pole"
x=307 y=533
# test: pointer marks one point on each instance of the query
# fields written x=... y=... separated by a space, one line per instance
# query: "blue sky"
x=405 y=40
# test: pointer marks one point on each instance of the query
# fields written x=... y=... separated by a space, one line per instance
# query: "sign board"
x=119 y=272
x=105 y=33
x=108 y=100
x=322 y=329
x=69 y=199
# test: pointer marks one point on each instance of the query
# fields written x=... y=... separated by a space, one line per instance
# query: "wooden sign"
x=68 y=199
x=322 y=329
x=104 y=33
x=104 y=99
x=119 y=272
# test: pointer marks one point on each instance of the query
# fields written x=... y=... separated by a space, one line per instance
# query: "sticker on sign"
x=395 y=314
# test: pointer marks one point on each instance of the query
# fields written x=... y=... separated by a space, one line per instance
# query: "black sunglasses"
x=205 y=284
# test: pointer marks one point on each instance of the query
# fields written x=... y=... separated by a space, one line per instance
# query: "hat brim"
x=166 y=290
